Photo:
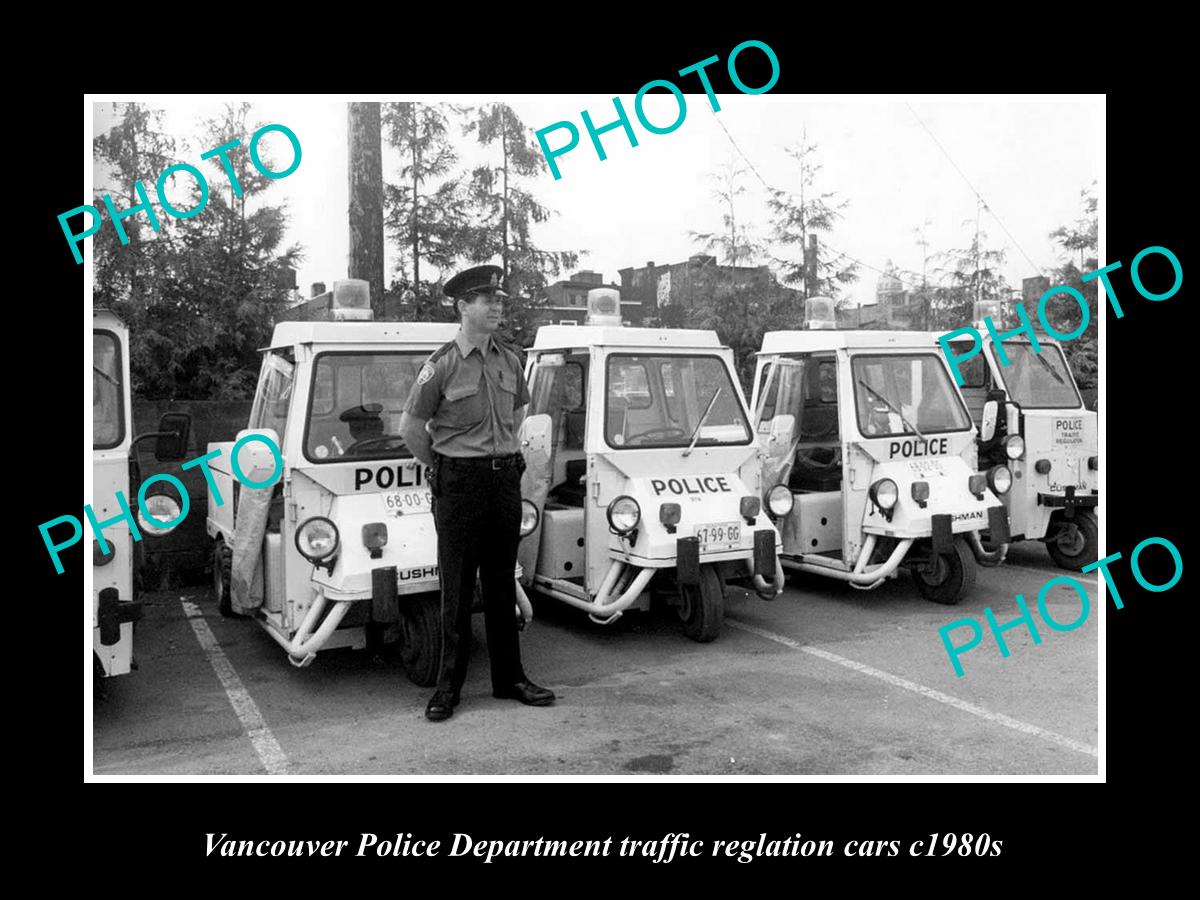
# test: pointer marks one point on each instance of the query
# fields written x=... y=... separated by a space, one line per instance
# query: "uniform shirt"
x=470 y=398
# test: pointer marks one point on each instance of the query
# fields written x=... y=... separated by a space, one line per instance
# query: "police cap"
x=479 y=280
x=366 y=413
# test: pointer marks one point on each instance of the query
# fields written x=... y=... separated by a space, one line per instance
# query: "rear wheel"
x=222 y=565
x=1075 y=547
x=421 y=636
x=702 y=606
x=953 y=576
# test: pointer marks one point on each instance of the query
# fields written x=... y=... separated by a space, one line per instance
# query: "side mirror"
x=255 y=459
x=987 y=426
x=535 y=439
x=172 y=442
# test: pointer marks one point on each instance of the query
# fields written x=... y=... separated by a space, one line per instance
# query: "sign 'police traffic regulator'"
x=709 y=484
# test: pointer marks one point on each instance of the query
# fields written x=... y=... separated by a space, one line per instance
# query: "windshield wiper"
x=894 y=409
x=1049 y=368
x=700 y=424
x=106 y=376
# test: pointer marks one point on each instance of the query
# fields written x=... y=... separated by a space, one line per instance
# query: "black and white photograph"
x=702 y=432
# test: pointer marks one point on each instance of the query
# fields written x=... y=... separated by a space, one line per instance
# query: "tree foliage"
x=966 y=275
x=426 y=211
x=797 y=215
x=504 y=211
x=1082 y=238
x=201 y=294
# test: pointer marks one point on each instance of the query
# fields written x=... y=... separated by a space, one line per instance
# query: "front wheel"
x=222 y=564
x=953 y=576
x=421 y=639
x=702 y=606
x=1075 y=547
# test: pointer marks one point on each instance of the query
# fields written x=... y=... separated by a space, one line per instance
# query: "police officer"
x=471 y=392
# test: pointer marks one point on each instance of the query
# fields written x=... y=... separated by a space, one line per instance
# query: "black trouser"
x=477 y=510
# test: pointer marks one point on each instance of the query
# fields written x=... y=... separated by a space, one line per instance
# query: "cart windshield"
x=662 y=401
x=897 y=395
x=1038 y=380
x=108 y=393
x=355 y=405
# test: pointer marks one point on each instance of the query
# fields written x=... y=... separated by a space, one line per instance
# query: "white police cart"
x=643 y=471
x=1032 y=418
x=343 y=547
x=865 y=430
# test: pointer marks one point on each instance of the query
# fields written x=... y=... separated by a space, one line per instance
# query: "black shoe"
x=525 y=691
x=441 y=706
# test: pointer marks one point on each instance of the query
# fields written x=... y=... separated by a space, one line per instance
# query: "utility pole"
x=810 y=266
x=366 y=200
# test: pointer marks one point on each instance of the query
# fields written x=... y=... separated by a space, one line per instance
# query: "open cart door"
x=538 y=450
x=777 y=422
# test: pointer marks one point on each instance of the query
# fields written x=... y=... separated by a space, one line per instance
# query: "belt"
x=482 y=462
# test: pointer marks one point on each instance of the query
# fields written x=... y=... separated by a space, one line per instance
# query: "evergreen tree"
x=211 y=286
x=426 y=210
x=1082 y=238
x=796 y=216
x=505 y=211
x=968 y=274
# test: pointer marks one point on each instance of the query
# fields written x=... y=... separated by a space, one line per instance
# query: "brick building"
x=691 y=284
x=566 y=300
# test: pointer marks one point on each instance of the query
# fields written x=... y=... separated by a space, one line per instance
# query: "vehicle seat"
x=576 y=419
x=572 y=491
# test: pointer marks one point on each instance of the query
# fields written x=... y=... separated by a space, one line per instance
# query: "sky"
x=898 y=161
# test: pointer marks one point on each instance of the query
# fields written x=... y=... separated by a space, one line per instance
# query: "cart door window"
x=274 y=394
x=108 y=391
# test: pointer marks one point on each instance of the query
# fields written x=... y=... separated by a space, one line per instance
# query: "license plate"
x=401 y=503
x=721 y=536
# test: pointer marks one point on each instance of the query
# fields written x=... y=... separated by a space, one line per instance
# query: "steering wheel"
x=669 y=430
x=396 y=440
x=807 y=459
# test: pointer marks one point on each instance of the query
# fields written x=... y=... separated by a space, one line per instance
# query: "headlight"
x=1000 y=479
x=317 y=539
x=884 y=493
x=529 y=517
x=1014 y=446
x=624 y=514
x=102 y=559
x=164 y=510
x=780 y=500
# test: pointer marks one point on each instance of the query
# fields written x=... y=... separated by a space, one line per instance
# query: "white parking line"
x=987 y=714
x=243 y=704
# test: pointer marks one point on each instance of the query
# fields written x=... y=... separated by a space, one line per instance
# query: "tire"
x=222 y=565
x=955 y=576
x=1084 y=548
x=421 y=639
x=702 y=606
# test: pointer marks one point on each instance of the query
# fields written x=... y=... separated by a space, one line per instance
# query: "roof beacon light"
x=604 y=307
x=990 y=309
x=351 y=301
x=819 y=314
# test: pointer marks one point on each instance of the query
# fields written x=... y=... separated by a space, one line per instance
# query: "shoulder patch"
x=425 y=374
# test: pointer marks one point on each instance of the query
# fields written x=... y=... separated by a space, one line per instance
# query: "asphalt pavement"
x=825 y=680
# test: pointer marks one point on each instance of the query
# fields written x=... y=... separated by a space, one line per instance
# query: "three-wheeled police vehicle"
x=1032 y=418
x=866 y=431
x=342 y=550
x=642 y=470
x=114 y=468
